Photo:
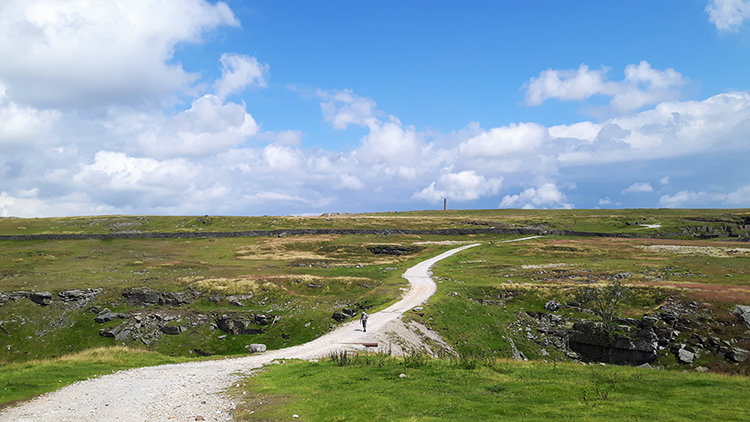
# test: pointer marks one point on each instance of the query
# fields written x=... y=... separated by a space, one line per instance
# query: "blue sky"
x=299 y=107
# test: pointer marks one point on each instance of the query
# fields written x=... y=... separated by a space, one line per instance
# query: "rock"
x=620 y=276
x=172 y=330
x=144 y=296
x=685 y=356
x=78 y=297
x=41 y=298
x=701 y=369
x=736 y=355
x=106 y=316
x=15 y=296
x=743 y=312
x=648 y=321
x=238 y=324
x=552 y=305
x=122 y=335
x=591 y=340
x=339 y=316
x=256 y=348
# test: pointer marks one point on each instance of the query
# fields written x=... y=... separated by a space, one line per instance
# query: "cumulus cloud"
x=88 y=53
x=238 y=72
x=545 y=196
x=343 y=108
x=208 y=126
x=463 y=186
x=642 y=86
x=728 y=15
x=504 y=141
x=638 y=188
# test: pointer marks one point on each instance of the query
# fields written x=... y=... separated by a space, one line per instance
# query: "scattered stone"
x=239 y=324
x=552 y=305
x=41 y=298
x=172 y=330
x=701 y=369
x=685 y=356
x=736 y=355
x=256 y=348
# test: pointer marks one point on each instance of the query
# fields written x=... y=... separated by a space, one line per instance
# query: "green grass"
x=496 y=390
x=21 y=381
x=612 y=221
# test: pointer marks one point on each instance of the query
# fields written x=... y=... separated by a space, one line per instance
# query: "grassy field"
x=610 y=221
x=384 y=389
x=483 y=293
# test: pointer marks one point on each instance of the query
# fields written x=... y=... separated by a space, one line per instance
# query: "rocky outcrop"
x=594 y=343
x=106 y=315
x=743 y=313
x=78 y=298
x=144 y=296
x=243 y=323
x=41 y=298
x=343 y=315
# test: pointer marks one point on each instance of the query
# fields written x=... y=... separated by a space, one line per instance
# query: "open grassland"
x=486 y=293
x=482 y=307
x=413 y=389
x=649 y=222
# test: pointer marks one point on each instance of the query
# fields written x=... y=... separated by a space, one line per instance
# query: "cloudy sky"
x=191 y=107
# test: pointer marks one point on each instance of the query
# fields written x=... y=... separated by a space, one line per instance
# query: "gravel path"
x=192 y=391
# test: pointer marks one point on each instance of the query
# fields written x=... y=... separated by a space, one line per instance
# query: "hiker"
x=363 y=320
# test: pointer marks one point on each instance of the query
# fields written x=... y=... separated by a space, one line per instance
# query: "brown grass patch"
x=709 y=292
x=275 y=248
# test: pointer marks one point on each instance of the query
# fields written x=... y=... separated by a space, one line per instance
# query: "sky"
x=294 y=107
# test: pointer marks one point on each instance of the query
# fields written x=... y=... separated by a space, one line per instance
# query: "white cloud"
x=728 y=15
x=390 y=142
x=642 y=86
x=350 y=182
x=545 y=196
x=59 y=53
x=503 y=141
x=463 y=186
x=585 y=131
x=686 y=198
x=689 y=198
x=605 y=201
x=740 y=196
x=21 y=126
x=664 y=180
x=209 y=126
x=342 y=108
x=281 y=158
x=118 y=172
x=639 y=188
x=238 y=72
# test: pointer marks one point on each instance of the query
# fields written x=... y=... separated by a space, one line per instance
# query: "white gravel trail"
x=192 y=391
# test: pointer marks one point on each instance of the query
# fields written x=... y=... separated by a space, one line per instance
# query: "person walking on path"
x=363 y=320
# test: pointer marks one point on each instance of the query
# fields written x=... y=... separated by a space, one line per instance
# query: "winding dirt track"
x=191 y=391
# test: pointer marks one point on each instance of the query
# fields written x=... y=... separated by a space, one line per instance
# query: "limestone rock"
x=256 y=348
x=41 y=298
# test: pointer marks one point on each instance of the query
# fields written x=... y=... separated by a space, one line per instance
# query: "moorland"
x=83 y=296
